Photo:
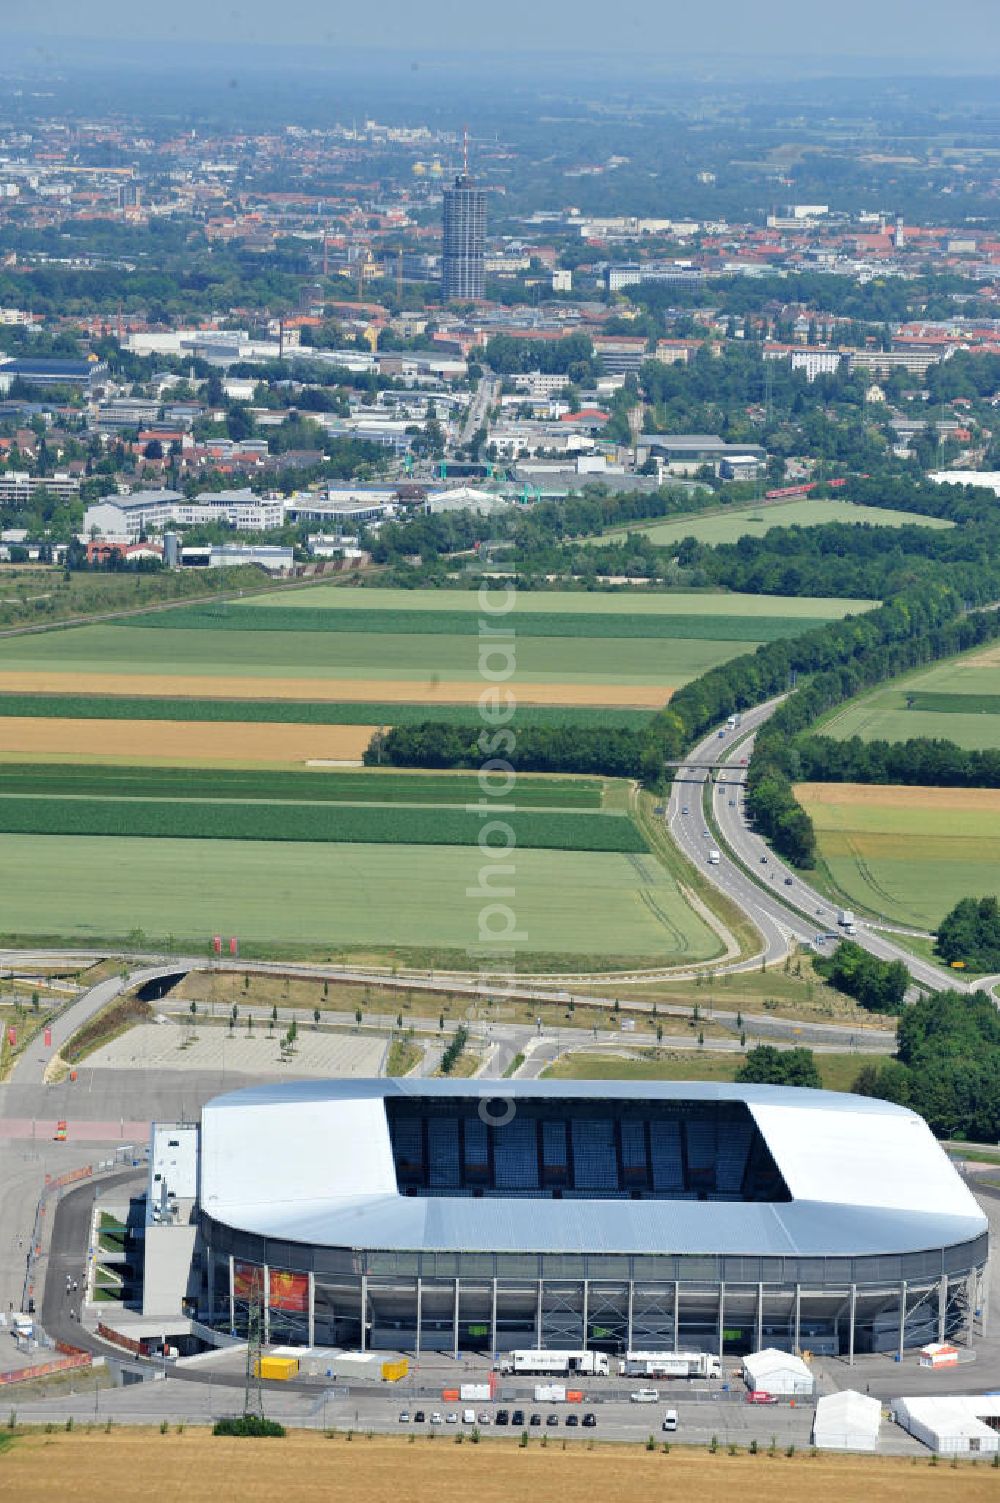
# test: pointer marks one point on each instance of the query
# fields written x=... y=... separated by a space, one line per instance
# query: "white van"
x=645 y=1396
x=468 y=1416
x=670 y=1420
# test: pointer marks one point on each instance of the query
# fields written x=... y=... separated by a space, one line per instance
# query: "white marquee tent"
x=778 y=1372
x=847 y=1421
x=953 y=1425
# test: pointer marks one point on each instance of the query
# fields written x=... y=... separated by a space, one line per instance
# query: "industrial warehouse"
x=425 y=1215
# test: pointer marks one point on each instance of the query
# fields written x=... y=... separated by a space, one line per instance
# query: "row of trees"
x=921 y=761
x=582 y=749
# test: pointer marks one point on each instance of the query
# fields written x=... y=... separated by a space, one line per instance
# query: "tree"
x=766 y=1065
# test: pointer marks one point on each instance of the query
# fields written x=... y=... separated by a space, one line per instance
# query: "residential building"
x=18 y=487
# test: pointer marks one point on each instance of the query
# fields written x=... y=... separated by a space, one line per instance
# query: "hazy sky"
x=964 y=34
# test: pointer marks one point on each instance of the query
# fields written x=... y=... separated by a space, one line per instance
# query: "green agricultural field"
x=109 y=650
x=700 y=627
x=569 y=908
x=953 y=701
x=400 y=824
x=373 y=786
x=730 y=525
x=906 y=854
x=299 y=711
x=566 y=602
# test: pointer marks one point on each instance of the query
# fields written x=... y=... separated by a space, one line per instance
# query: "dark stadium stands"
x=676 y=1151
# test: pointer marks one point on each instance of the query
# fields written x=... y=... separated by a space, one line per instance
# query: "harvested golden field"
x=894 y=796
x=347 y=690
x=200 y=1468
x=196 y=741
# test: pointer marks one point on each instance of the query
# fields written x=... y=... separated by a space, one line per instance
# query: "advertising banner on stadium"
x=245 y=1277
x=289 y=1291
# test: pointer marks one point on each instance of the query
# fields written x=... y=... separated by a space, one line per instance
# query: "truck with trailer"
x=670 y=1365
x=845 y=918
x=555 y=1364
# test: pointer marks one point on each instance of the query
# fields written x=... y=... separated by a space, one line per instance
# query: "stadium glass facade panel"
x=480 y=1302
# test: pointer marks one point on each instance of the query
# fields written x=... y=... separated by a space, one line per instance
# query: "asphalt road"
x=775 y=898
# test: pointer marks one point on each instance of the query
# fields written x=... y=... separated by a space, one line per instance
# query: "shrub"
x=253 y=1426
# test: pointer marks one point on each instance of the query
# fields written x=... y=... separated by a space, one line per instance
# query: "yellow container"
x=393 y=1371
x=277 y=1369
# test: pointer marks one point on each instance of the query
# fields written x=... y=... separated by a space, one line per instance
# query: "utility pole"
x=253 y=1396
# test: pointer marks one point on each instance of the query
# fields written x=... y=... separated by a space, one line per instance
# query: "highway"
x=772 y=894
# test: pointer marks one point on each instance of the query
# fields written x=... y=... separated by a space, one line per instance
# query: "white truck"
x=556 y=1364
x=550 y=1393
x=845 y=918
x=670 y=1365
x=713 y=857
x=478 y=1391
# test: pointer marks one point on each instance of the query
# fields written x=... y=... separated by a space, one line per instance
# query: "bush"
x=250 y=1425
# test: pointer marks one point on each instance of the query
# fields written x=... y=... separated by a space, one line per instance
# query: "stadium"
x=422 y=1215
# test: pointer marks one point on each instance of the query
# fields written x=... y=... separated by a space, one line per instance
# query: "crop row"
x=707 y=628
x=350 y=823
x=302 y=712
x=96 y=780
x=955 y=704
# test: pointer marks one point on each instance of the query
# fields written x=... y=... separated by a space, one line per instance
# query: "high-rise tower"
x=463 y=253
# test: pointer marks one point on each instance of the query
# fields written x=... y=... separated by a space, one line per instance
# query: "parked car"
x=536 y=1419
x=418 y=1417
x=552 y=1419
x=451 y=1418
x=763 y=860
x=517 y=1418
x=503 y=1417
x=437 y=1418
x=484 y=1418
x=404 y=1418
x=590 y=1420
x=759 y=1396
x=669 y=1420
x=572 y=1419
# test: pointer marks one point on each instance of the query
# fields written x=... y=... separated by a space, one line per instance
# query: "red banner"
x=289 y=1291
x=247 y=1276
x=217 y=943
x=48 y=1038
x=234 y=946
x=12 y=1037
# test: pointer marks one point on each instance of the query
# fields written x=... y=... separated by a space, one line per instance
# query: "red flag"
x=217 y=943
x=48 y=1038
x=234 y=946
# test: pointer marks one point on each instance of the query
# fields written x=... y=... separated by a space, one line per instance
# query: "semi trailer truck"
x=670 y=1365
x=545 y=1364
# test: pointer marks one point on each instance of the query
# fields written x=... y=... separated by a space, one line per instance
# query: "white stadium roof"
x=312 y=1162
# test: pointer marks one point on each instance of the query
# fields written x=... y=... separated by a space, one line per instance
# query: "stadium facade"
x=421 y=1215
